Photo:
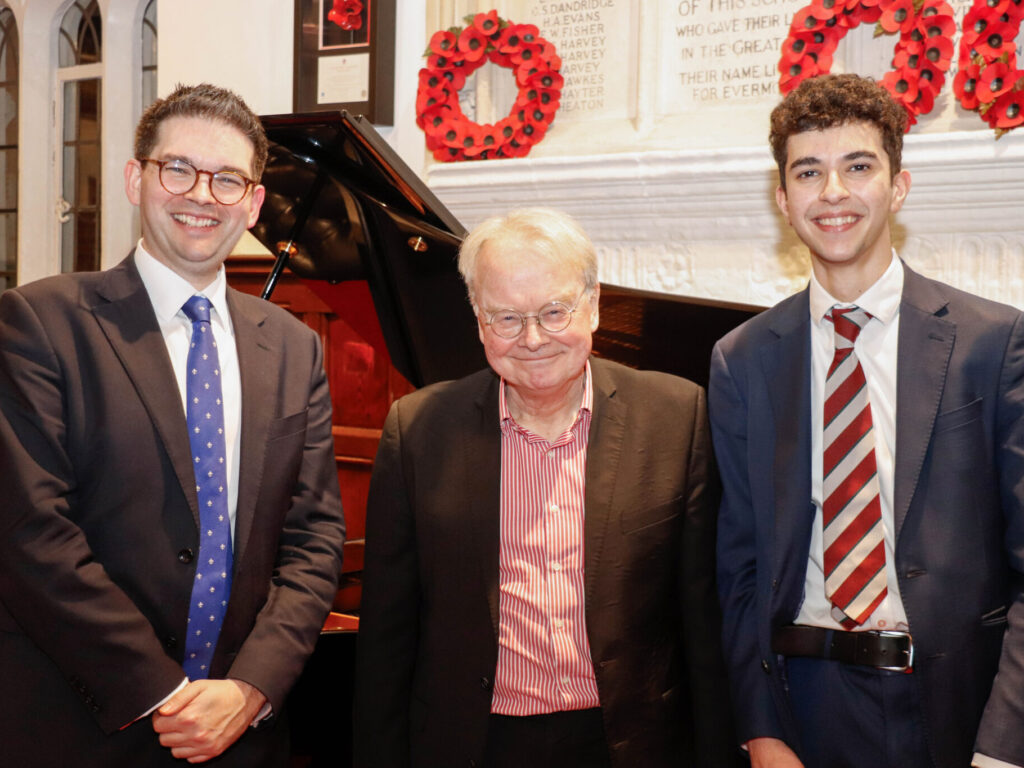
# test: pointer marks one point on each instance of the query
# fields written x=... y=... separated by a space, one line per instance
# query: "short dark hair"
x=206 y=101
x=827 y=101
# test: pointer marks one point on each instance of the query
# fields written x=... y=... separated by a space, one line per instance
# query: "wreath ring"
x=453 y=55
x=921 y=57
x=988 y=81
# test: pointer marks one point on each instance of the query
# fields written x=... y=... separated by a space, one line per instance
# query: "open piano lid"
x=348 y=208
x=344 y=206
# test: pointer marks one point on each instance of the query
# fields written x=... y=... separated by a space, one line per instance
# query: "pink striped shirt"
x=544 y=660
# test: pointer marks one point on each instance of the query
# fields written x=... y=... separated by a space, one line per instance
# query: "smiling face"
x=537 y=364
x=838 y=197
x=193 y=233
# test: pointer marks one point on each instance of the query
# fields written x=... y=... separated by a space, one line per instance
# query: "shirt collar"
x=168 y=290
x=586 y=405
x=881 y=300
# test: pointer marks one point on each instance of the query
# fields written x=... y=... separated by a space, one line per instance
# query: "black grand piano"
x=366 y=254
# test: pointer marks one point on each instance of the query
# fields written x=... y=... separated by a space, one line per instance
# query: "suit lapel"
x=481 y=491
x=604 y=449
x=924 y=349
x=127 y=319
x=258 y=370
x=786 y=363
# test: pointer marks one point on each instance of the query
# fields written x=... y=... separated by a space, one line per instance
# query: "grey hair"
x=553 y=235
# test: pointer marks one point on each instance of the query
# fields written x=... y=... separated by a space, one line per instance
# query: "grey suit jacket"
x=428 y=643
x=99 y=516
x=959 y=510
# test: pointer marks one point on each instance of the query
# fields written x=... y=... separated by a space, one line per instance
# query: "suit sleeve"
x=715 y=739
x=388 y=628
x=753 y=700
x=308 y=560
x=51 y=587
x=1001 y=735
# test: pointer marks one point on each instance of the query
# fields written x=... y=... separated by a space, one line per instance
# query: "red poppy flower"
x=488 y=141
x=449 y=154
x=997 y=39
x=549 y=56
x=965 y=86
x=443 y=42
x=899 y=17
x=995 y=80
x=1007 y=112
x=531 y=132
x=472 y=44
x=974 y=25
x=938 y=53
x=528 y=53
x=936 y=19
x=870 y=14
x=826 y=9
x=804 y=20
x=902 y=84
x=510 y=39
x=487 y=23
x=453 y=131
x=546 y=80
x=436 y=61
x=922 y=105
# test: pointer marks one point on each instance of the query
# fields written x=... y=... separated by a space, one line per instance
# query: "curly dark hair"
x=207 y=101
x=830 y=100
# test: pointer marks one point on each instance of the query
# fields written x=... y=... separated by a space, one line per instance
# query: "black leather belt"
x=873 y=648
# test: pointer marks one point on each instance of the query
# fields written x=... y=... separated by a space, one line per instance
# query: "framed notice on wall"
x=345 y=57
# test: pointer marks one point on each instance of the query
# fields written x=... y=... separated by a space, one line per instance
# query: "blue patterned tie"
x=205 y=416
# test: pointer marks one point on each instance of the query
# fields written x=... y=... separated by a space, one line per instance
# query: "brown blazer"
x=98 y=520
x=428 y=643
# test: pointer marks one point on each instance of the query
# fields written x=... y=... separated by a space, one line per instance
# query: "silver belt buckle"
x=910 y=649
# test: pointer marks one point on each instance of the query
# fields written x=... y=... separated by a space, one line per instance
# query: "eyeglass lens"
x=508 y=323
x=179 y=177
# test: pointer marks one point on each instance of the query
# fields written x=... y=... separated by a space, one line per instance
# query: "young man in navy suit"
x=870 y=436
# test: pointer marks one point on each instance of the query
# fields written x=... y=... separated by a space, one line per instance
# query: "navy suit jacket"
x=99 y=518
x=959 y=510
x=428 y=636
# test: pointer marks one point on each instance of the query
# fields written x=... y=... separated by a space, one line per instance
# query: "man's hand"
x=772 y=753
x=206 y=717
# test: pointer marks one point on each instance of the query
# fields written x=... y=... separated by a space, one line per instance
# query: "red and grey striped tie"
x=855 y=579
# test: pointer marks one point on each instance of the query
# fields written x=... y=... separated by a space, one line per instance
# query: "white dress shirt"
x=876 y=349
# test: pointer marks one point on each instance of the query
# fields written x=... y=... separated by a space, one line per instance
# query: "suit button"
x=485 y=683
x=170 y=642
x=766 y=667
x=185 y=556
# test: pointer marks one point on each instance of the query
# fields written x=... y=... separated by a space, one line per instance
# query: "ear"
x=594 y=313
x=133 y=181
x=900 y=190
x=782 y=201
x=259 y=192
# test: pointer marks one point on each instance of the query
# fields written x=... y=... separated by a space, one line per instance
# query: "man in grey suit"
x=870 y=436
x=171 y=529
x=538 y=586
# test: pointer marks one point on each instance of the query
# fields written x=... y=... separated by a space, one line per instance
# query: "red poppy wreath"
x=347 y=14
x=988 y=81
x=920 y=60
x=453 y=55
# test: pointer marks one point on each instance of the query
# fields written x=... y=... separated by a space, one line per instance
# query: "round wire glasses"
x=179 y=177
x=552 y=317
